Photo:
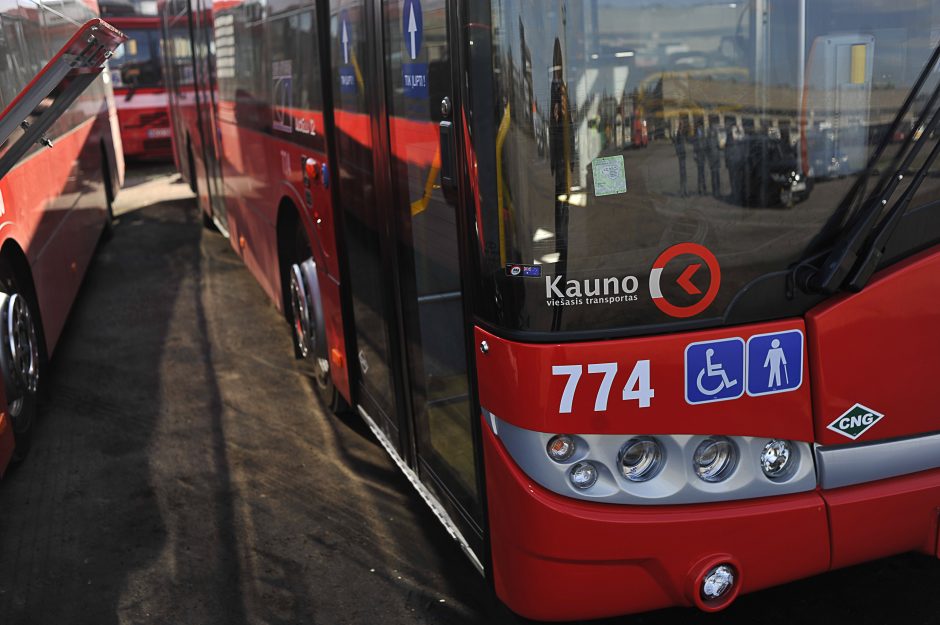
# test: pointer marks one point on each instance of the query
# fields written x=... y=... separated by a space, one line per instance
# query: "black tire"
x=24 y=408
x=315 y=365
x=192 y=166
x=207 y=222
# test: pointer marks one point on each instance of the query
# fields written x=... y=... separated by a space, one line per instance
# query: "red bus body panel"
x=880 y=348
x=527 y=369
x=558 y=559
x=261 y=172
x=581 y=559
x=573 y=559
x=53 y=209
x=145 y=123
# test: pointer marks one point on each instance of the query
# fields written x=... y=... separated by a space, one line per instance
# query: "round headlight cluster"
x=641 y=458
x=561 y=448
x=715 y=458
x=775 y=459
x=583 y=475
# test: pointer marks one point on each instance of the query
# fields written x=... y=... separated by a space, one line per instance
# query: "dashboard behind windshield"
x=136 y=63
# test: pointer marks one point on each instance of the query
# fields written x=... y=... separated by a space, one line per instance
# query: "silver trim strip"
x=846 y=465
x=439 y=297
x=426 y=494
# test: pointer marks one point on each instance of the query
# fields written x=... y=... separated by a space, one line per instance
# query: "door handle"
x=448 y=161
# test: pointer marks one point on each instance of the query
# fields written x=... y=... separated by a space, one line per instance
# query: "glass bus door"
x=360 y=186
x=391 y=71
x=206 y=92
x=418 y=100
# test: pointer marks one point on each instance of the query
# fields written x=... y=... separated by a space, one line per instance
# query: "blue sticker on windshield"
x=523 y=271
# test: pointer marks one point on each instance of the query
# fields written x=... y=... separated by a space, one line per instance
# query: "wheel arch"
x=12 y=254
x=288 y=221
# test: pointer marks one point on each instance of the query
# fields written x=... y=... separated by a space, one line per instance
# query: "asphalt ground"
x=183 y=472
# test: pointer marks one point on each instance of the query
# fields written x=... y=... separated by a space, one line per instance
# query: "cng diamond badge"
x=855 y=421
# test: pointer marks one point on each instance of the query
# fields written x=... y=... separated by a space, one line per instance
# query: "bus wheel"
x=309 y=332
x=21 y=358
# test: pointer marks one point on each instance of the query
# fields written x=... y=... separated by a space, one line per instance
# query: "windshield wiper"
x=843 y=255
x=874 y=251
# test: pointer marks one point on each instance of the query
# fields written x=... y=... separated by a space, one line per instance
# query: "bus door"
x=421 y=123
x=206 y=93
x=360 y=186
x=391 y=72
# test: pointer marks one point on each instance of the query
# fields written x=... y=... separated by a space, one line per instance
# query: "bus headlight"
x=641 y=458
x=583 y=475
x=714 y=459
x=561 y=447
x=775 y=458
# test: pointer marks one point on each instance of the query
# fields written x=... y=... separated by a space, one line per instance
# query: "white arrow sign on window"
x=345 y=44
x=412 y=29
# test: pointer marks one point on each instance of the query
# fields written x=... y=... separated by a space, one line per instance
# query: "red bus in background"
x=622 y=379
x=60 y=167
x=137 y=78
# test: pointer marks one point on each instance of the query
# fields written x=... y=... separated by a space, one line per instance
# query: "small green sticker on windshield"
x=609 y=175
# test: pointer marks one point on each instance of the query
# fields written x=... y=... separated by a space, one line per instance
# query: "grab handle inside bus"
x=448 y=158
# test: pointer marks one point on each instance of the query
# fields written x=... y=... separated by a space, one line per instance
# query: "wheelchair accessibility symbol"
x=714 y=371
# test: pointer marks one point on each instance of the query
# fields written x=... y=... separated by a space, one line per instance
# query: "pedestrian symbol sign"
x=714 y=371
x=774 y=362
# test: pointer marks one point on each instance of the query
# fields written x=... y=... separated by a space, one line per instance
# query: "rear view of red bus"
x=140 y=96
x=60 y=165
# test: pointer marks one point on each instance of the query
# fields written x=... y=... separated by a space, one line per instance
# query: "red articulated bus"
x=137 y=79
x=623 y=379
x=60 y=164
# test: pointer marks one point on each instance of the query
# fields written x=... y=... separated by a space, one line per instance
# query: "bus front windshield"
x=644 y=162
x=136 y=63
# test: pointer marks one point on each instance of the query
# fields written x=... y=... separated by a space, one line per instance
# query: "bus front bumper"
x=556 y=558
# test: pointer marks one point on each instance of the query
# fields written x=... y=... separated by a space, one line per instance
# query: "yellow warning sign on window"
x=859 y=63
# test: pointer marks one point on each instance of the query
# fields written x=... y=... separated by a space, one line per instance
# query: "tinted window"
x=136 y=62
x=608 y=132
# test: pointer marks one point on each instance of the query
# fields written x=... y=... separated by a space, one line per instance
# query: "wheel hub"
x=20 y=348
x=307 y=308
x=303 y=334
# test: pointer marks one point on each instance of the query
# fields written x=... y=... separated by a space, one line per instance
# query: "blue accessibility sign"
x=774 y=362
x=714 y=371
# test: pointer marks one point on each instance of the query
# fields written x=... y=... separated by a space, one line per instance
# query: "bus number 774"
x=637 y=386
